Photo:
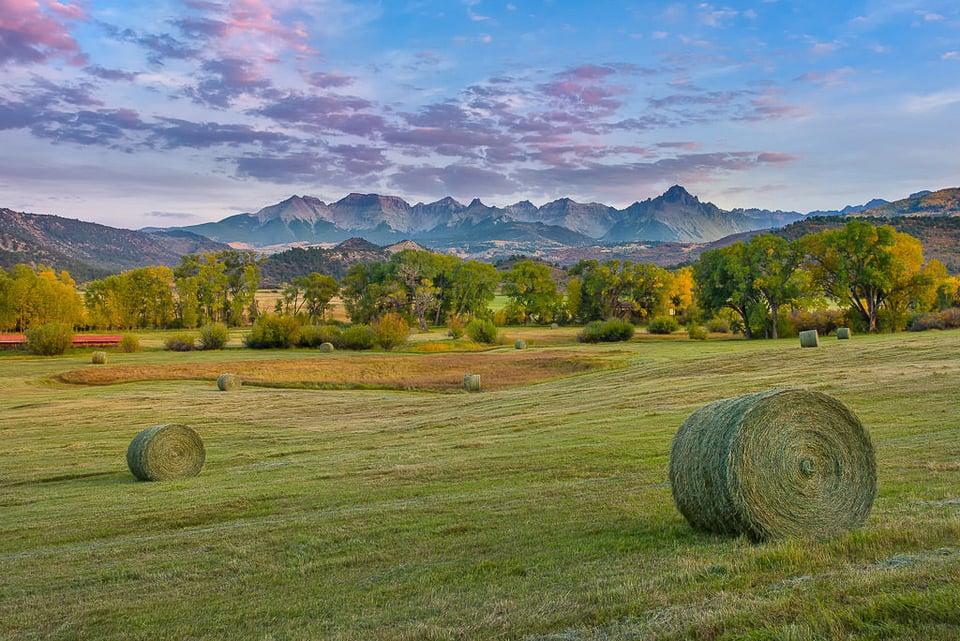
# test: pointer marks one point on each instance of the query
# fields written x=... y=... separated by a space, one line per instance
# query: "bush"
x=825 y=321
x=609 y=331
x=51 y=339
x=391 y=330
x=663 y=325
x=718 y=325
x=213 y=336
x=696 y=332
x=182 y=342
x=129 y=343
x=273 y=332
x=316 y=335
x=455 y=325
x=357 y=337
x=482 y=331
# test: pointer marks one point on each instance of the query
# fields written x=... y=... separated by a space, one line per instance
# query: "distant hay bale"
x=520 y=344
x=98 y=358
x=471 y=382
x=326 y=348
x=229 y=382
x=809 y=338
x=779 y=463
x=166 y=452
x=843 y=333
x=554 y=326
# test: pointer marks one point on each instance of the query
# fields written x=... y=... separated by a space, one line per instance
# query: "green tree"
x=867 y=267
x=318 y=291
x=33 y=297
x=722 y=280
x=772 y=265
x=533 y=291
x=474 y=285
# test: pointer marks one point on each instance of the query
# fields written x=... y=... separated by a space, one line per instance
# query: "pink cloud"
x=30 y=33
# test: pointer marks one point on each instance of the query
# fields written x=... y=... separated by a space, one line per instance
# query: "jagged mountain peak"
x=677 y=194
x=303 y=208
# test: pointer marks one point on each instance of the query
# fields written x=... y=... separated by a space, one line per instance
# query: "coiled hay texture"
x=229 y=382
x=809 y=338
x=780 y=463
x=471 y=382
x=98 y=358
x=166 y=452
x=326 y=348
x=843 y=333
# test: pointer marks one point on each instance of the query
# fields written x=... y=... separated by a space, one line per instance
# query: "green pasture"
x=539 y=512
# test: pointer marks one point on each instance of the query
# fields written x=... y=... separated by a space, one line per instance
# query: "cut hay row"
x=166 y=452
x=784 y=462
x=434 y=372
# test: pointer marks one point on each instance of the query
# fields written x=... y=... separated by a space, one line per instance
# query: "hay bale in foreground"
x=784 y=462
x=166 y=452
x=471 y=382
x=98 y=358
x=520 y=344
x=229 y=382
x=809 y=338
x=843 y=333
x=326 y=348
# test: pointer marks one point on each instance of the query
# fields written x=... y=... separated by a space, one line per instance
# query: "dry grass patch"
x=428 y=372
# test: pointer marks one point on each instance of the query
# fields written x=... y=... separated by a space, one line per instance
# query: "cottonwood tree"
x=533 y=291
x=868 y=267
x=30 y=297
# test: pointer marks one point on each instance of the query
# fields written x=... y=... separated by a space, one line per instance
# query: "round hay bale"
x=98 y=358
x=554 y=326
x=471 y=382
x=166 y=452
x=784 y=462
x=326 y=348
x=809 y=338
x=520 y=344
x=843 y=333
x=229 y=382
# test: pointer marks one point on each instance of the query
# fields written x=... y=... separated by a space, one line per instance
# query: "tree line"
x=875 y=274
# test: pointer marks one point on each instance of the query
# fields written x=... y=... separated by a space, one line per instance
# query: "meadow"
x=537 y=509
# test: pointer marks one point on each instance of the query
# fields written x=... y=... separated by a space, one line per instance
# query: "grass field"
x=538 y=509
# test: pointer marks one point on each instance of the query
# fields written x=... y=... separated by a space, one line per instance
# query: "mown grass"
x=537 y=511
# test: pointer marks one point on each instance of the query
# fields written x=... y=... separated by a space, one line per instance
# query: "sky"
x=176 y=112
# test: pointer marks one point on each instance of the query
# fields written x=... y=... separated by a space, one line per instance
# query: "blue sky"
x=176 y=112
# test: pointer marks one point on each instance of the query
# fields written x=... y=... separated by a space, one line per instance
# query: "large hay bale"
x=784 y=462
x=809 y=338
x=326 y=348
x=471 y=382
x=229 y=382
x=843 y=333
x=98 y=358
x=166 y=452
x=520 y=344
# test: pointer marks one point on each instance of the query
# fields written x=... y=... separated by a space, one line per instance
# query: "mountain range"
x=667 y=230
x=675 y=216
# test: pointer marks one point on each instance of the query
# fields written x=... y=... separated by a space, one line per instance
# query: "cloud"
x=174 y=133
x=457 y=180
x=829 y=79
x=30 y=35
x=228 y=79
x=932 y=101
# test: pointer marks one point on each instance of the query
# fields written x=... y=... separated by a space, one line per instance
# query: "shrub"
x=358 y=337
x=696 y=332
x=391 y=330
x=824 y=321
x=51 y=339
x=482 y=331
x=182 y=342
x=455 y=327
x=316 y=335
x=273 y=332
x=608 y=331
x=663 y=325
x=946 y=319
x=718 y=325
x=213 y=336
x=129 y=343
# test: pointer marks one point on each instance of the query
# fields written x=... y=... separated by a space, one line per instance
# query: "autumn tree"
x=868 y=267
x=30 y=297
x=723 y=282
x=533 y=291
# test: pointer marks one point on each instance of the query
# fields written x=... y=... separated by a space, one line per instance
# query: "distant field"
x=538 y=509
